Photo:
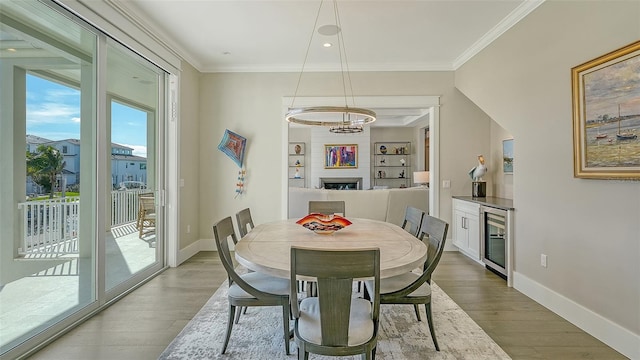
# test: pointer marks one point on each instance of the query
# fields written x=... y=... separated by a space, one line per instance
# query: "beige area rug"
x=401 y=336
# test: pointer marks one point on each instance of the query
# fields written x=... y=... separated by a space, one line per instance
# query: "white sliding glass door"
x=134 y=107
x=81 y=138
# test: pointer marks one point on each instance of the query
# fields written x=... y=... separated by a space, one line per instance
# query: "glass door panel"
x=80 y=225
x=48 y=139
x=132 y=244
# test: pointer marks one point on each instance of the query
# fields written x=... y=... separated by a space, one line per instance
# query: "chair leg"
x=240 y=308
x=302 y=352
x=232 y=312
x=415 y=307
x=285 y=322
x=427 y=307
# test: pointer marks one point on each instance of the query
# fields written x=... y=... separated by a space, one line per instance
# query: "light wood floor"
x=142 y=324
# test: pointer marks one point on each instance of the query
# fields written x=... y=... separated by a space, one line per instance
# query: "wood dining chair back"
x=412 y=220
x=328 y=207
x=415 y=289
x=250 y=289
x=245 y=222
x=336 y=323
x=146 y=222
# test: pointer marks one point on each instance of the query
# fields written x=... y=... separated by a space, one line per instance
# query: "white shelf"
x=390 y=160
x=297 y=159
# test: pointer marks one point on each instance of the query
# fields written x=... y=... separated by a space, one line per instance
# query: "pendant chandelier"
x=342 y=119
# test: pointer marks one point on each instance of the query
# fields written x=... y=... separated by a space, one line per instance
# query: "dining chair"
x=329 y=207
x=250 y=289
x=336 y=323
x=245 y=222
x=413 y=220
x=411 y=223
x=412 y=288
x=146 y=213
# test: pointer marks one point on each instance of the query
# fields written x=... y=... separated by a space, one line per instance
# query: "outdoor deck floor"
x=35 y=302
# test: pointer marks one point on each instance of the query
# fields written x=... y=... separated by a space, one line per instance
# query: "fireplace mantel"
x=341 y=183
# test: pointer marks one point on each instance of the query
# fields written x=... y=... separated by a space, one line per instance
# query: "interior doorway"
x=387 y=108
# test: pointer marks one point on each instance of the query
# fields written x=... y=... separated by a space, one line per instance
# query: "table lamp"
x=421 y=178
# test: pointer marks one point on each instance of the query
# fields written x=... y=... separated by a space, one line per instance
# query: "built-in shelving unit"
x=392 y=164
x=296 y=164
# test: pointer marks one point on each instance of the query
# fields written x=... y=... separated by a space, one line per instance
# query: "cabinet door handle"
x=464 y=222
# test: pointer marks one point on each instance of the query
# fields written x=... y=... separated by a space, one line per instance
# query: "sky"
x=612 y=85
x=53 y=112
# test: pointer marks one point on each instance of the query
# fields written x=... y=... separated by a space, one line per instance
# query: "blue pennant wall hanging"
x=233 y=146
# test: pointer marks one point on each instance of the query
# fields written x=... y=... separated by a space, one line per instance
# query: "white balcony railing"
x=51 y=226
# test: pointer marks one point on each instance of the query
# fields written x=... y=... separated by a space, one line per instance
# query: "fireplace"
x=341 y=183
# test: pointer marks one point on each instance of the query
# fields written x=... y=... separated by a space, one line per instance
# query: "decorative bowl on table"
x=323 y=224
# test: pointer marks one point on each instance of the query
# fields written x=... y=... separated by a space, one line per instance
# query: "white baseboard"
x=196 y=247
x=210 y=245
x=610 y=333
x=188 y=252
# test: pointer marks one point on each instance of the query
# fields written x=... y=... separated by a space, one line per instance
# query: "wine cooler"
x=493 y=232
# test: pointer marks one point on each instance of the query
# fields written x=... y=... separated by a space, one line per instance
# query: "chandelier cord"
x=353 y=118
x=306 y=55
x=343 y=50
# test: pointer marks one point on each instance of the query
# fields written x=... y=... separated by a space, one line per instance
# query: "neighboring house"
x=124 y=165
x=70 y=150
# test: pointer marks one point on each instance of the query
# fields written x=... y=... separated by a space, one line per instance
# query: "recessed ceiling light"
x=327 y=44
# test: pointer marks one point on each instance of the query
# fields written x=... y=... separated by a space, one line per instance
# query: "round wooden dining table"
x=266 y=248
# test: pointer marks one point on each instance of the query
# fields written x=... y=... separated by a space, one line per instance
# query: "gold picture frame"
x=606 y=115
x=339 y=156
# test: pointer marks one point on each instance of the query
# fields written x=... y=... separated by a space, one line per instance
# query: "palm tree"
x=44 y=166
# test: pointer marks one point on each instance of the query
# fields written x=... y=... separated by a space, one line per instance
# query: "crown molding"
x=513 y=18
x=145 y=24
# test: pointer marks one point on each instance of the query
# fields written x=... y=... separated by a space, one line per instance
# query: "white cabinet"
x=466 y=228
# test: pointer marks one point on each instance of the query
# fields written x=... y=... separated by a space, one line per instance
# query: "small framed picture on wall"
x=507 y=156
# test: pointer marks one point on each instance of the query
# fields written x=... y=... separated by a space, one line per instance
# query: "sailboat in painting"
x=624 y=135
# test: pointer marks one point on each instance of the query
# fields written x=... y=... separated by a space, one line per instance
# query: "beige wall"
x=189 y=156
x=251 y=105
x=590 y=229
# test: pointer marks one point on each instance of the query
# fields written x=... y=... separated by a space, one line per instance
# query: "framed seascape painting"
x=606 y=115
x=507 y=156
x=340 y=156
